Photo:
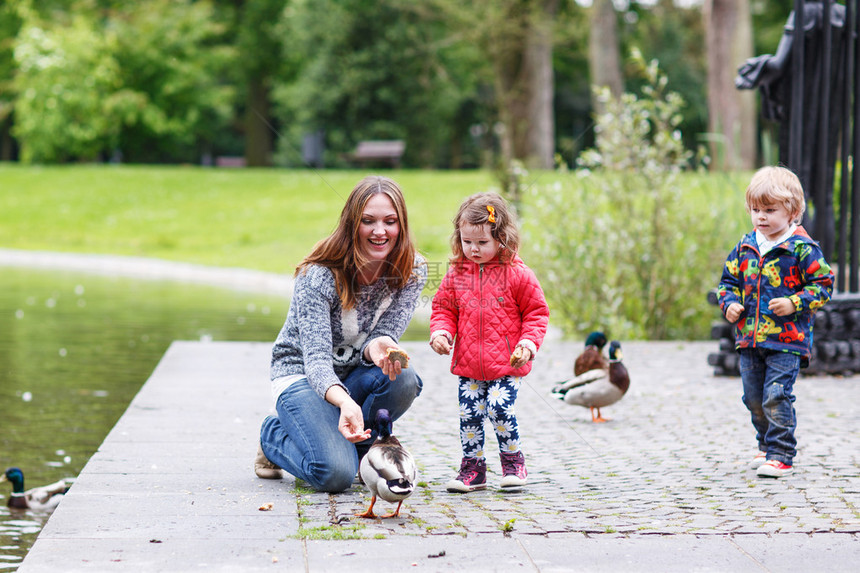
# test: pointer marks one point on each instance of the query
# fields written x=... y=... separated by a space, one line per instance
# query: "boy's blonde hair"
x=503 y=226
x=776 y=186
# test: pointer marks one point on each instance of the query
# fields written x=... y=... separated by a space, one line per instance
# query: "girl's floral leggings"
x=493 y=400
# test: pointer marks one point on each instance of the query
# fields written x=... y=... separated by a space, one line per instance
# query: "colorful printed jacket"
x=795 y=269
x=487 y=310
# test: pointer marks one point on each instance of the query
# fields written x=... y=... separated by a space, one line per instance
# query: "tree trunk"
x=604 y=57
x=524 y=82
x=732 y=115
x=258 y=134
x=539 y=130
x=6 y=143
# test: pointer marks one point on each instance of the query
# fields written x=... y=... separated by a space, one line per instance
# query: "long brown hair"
x=339 y=252
x=474 y=211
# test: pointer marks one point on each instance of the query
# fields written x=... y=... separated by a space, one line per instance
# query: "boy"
x=774 y=280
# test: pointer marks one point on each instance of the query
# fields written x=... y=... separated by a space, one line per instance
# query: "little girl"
x=491 y=308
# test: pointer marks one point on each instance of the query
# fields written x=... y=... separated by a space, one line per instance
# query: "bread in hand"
x=517 y=355
x=398 y=355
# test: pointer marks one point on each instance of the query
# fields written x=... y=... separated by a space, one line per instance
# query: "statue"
x=772 y=74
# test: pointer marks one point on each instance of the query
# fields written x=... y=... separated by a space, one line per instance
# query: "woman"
x=353 y=298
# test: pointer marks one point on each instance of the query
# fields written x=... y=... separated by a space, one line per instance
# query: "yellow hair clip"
x=492 y=217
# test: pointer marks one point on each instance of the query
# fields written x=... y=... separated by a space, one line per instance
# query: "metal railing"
x=834 y=128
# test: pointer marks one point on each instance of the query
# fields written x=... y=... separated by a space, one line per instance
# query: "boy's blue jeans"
x=768 y=377
x=303 y=438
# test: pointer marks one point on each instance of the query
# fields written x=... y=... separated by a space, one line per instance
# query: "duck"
x=590 y=361
x=387 y=469
x=592 y=356
x=39 y=498
x=598 y=388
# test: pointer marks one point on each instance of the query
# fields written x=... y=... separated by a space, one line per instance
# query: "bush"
x=629 y=244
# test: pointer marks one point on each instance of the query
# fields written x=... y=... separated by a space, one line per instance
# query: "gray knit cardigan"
x=325 y=343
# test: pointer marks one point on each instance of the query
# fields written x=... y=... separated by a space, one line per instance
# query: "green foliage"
x=672 y=35
x=10 y=24
x=622 y=246
x=171 y=56
x=143 y=79
x=371 y=70
x=67 y=75
x=169 y=80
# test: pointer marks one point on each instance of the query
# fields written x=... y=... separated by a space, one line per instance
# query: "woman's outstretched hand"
x=351 y=421
x=377 y=352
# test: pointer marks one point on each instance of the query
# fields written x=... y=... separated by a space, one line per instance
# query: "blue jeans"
x=768 y=377
x=303 y=438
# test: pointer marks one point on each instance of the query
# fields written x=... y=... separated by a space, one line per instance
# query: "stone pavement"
x=664 y=486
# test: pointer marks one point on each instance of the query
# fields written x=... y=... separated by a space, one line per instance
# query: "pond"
x=74 y=350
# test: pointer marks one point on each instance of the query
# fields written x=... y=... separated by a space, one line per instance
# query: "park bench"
x=384 y=151
x=229 y=161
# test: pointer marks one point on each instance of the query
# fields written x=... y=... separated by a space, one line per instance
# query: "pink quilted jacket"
x=488 y=310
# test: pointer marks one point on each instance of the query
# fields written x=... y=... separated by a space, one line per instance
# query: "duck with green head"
x=39 y=498
x=598 y=388
x=388 y=469
x=592 y=356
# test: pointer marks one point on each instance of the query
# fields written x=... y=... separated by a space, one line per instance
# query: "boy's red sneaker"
x=758 y=460
x=774 y=469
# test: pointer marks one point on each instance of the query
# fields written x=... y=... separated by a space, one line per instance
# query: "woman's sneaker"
x=758 y=460
x=513 y=470
x=774 y=469
x=472 y=476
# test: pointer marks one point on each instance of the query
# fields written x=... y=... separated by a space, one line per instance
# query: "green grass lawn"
x=268 y=219
x=264 y=219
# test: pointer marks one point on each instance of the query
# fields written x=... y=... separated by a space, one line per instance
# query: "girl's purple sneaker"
x=513 y=470
x=472 y=476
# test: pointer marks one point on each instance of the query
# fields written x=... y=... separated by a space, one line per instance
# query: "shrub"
x=629 y=244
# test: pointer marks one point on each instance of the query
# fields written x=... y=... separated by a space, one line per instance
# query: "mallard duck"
x=38 y=498
x=592 y=357
x=598 y=388
x=388 y=469
x=589 y=365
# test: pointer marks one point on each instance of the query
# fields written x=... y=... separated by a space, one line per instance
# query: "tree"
x=141 y=79
x=67 y=83
x=603 y=50
x=517 y=38
x=10 y=24
x=173 y=57
x=260 y=49
x=728 y=37
x=372 y=70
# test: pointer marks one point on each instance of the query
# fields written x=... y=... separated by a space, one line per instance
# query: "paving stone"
x=654 y=483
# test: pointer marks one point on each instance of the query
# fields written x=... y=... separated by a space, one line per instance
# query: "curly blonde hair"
x=776 y=185
x=475 y=211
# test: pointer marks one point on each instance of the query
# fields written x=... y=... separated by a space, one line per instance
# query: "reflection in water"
x=18 y=531
x=75 y=349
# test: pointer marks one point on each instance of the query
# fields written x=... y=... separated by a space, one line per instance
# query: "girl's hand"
x=733 y=313
x=441 y=345
x=781 y=306
x=377 y=352
x=520 y=357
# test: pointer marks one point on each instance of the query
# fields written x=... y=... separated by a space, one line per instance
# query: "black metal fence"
x=824 y=103
x=816 y=99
